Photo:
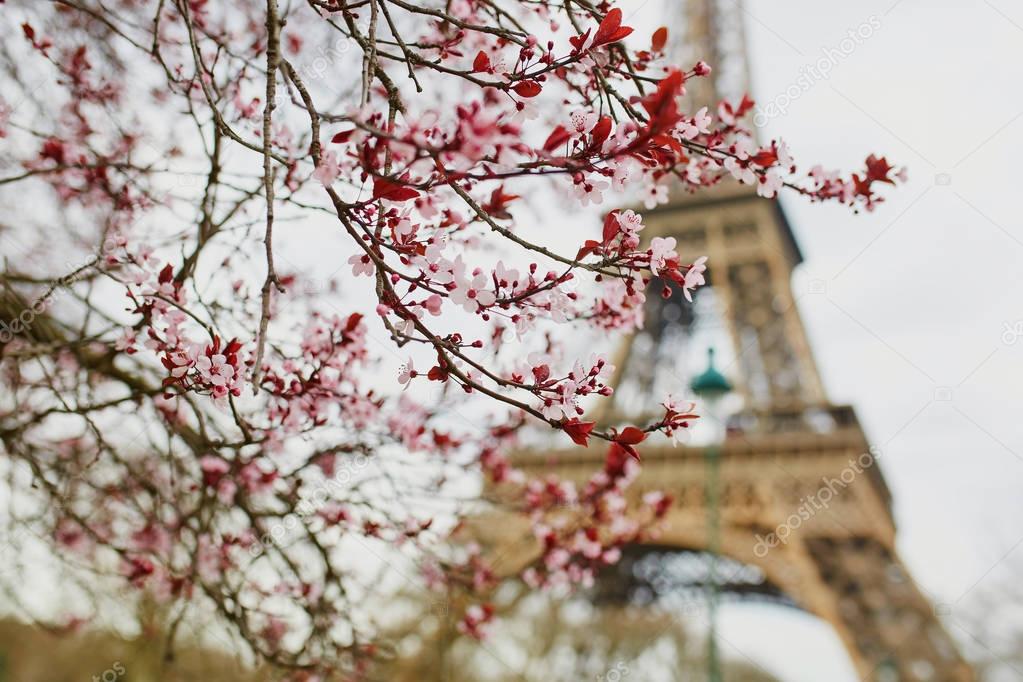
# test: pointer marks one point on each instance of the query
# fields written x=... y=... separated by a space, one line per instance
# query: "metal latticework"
x=792 y=464
x=665 y=353
x=676 y=580
x=713 y=30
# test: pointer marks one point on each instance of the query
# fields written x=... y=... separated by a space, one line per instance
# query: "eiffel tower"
x=791 y=464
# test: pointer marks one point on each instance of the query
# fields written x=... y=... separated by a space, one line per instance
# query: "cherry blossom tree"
x=188 y=413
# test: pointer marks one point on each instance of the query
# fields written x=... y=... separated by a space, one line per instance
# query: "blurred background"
x=914 y=312
x=913 y=315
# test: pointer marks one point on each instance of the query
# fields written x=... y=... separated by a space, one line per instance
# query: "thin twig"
x=273 y=56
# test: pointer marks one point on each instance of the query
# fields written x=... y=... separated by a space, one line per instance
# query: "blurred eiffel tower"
x=787 y=447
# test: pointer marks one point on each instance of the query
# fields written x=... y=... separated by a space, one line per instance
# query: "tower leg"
x=890 y=629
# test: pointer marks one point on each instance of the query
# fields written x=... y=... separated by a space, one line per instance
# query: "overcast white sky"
x=917 y=324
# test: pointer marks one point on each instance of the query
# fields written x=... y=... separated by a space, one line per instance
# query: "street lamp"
x=887 y=671
x=711 y=387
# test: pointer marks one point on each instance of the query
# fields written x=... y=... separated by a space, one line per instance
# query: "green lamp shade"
x=711 y=383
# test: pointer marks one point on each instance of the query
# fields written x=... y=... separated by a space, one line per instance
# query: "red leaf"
x=589 y=246
x=621 y=34
x=630 y=436
x=166 y=274
x=611 y=29
x=862 y=185
x=353 y=322
x=611 y=226
x=497 y=206
x=30 y=32
x=385 y=189
x=481 y=63
x=617 y=456
x=541 y=373
x=661 y=105
x=659 y=39
x=579 y=40
x=578 y=431
x=878 y=169
x=609 y=24
x=669 y=141
x=765 y=157
x=557 y=138
x=342 y=136
x=745 y=105
x=667 y=88
x=527 y=88
x=601 y=130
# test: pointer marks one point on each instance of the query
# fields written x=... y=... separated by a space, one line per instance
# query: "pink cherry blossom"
x=362 y=265
x=655 y=194
x=589 y=191
x=694 y=277
x=407 y=372
x=473 y=293
x=433 y=304
x=583 y=121
x=662 y=254
x=328 y=170
x=769 y=183
x=699 y=124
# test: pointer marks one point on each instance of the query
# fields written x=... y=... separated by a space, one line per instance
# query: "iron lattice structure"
x=785 y=448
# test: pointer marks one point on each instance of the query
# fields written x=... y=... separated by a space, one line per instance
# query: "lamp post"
x=888 y=671
x=711 y=387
